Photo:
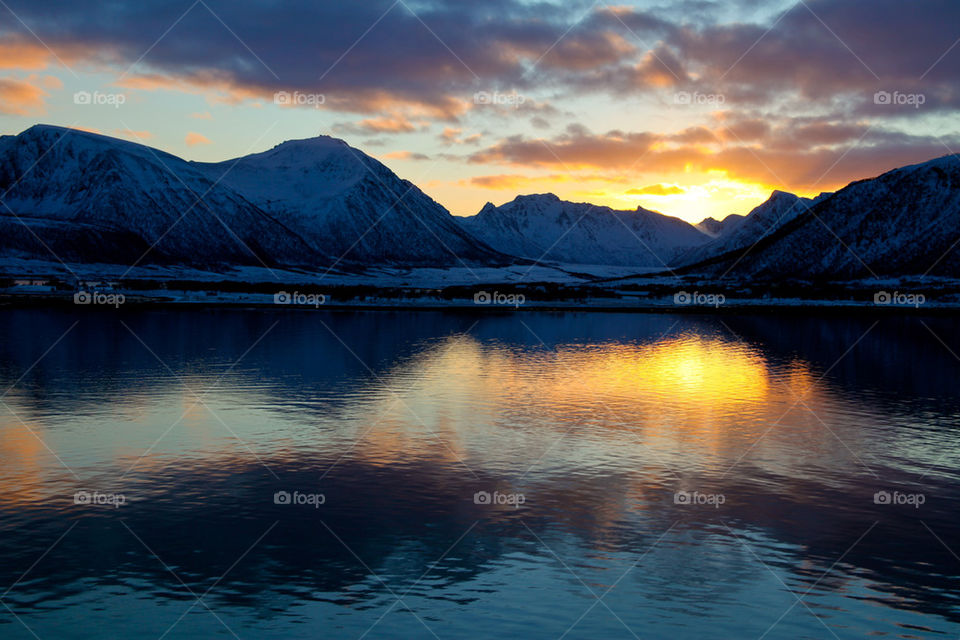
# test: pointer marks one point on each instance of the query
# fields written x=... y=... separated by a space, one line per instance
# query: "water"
x=536 y=475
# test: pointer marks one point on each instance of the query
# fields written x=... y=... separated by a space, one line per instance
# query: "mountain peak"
x=316 y=142
x=777 y=194
x=534 y=197
x=542 y=226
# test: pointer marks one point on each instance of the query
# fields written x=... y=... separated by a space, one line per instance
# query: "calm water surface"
x=260 y=474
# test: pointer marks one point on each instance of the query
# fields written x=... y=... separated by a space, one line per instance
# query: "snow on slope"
x=349 y=204
x=94 y=198
x=716 y=228
x=904 y=222
x=742 y=232
x=544 y=227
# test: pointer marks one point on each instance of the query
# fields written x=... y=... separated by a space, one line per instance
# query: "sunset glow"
x=626 y=106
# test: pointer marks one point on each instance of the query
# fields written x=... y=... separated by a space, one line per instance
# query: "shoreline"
x=659 y=305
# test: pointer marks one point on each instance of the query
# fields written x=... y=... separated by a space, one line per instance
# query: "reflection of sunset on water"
x=599 y=426
x=26 y=462
x=693 y=399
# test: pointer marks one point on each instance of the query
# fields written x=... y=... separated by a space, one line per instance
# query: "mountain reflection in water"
x=198 y=418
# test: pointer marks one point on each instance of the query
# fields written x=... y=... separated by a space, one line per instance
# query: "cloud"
x=427 y=59
x=452 y=135
x=657 y=190
x=247 y=46
x=21 y=98
x=821 y=51
x=405 y=155
x=520 y=181
x=576 y=148
x=389 y=124
x=820 y=61
x=193 y=139
x=538 y=122
x=15 y=53
x=201 y=115
x=799 y=155
x=432 y=56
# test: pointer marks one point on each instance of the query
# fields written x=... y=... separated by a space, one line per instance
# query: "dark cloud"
x=538 y=122
x=434 y=55
x=819 y=49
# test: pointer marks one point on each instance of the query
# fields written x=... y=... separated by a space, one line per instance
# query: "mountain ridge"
x=545 y=227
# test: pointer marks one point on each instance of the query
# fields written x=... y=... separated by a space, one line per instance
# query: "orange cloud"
x=799 y=156
x=657 y=190
x=21 y=98
x=194 y=139
x=205 y=115
x=23 y=55
x=517 y=181
x=451 y=135
x=388 y=124
x=405 y=155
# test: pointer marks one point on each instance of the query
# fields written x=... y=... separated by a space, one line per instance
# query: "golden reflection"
x=686 y=370
x=691 y=400
x=690 y=395
x=26 y=462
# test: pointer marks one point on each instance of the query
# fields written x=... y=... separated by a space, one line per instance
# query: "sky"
x=693 y=108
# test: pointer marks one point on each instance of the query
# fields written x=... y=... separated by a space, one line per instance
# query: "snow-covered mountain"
x=544 y=227
x=741 y=232
x=904 y=222
x=348 y=204
x=87 y=198
x=84 y=197
x=90 y=198
x=716 y=228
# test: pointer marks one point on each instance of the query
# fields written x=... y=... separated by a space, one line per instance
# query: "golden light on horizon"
x=690 y=197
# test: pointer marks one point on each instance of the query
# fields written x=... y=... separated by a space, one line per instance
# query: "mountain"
x=544 y=227
x=716 y=228
x=904 y=222
x=742 y=232
x=84 y=197
x=348 y=204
